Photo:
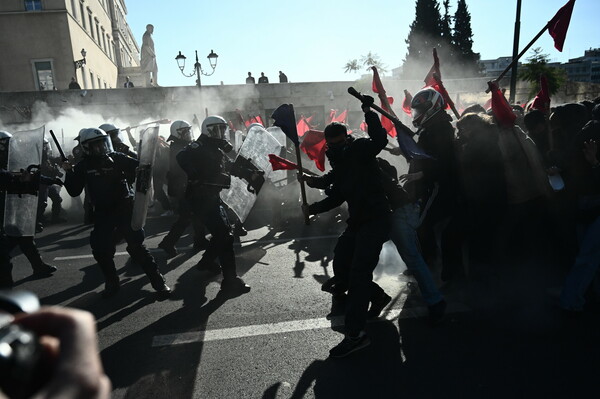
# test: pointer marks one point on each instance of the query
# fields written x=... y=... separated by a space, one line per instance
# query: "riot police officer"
x=181 y=136
x=105 y=173
x=22 y=184
x=204 y=163
x=117 y=139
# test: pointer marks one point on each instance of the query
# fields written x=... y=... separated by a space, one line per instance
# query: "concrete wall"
x=137 y=104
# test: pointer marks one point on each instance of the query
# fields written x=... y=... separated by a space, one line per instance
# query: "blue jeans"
x=405 y=221
x=584 y=270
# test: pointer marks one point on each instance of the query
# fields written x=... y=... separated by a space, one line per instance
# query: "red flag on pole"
x=501 y=108
x=314 y=147
x=386 y=102
x=559 y=24
x=341 y=118
x=542 y=99
x=406 y=103
x=435 y=69
x=278 y=163
x=302 y=127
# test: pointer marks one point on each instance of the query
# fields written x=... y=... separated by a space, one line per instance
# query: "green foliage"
x=536 y=66
x=366 y=62
x=463 y=39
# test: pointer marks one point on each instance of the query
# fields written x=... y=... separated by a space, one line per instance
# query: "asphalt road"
x=503 y=336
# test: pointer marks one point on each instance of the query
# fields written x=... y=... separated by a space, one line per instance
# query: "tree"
x=537 y=66
x=425 y=34
x=445 y=23
x=366 y=61
x=462 y=39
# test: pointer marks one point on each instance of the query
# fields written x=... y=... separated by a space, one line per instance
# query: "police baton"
x=60 y=150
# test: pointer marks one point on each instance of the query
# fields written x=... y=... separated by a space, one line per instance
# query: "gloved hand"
x=367 y=101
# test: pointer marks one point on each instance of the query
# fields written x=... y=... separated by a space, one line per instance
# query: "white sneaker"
x=167 y=213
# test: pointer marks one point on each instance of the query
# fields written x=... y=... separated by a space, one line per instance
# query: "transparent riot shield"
x=20 y=210
x=279 y=177
x=252 y=160
x=147 y=146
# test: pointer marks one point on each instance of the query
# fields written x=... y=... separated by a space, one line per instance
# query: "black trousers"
x=184 y=219
x=27 y=246
x=107 y=223
x=211 y=212
x=356 y=255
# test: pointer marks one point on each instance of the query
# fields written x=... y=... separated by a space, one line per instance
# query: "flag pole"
x=509 y=67
x=301 y=177
x=449 y=100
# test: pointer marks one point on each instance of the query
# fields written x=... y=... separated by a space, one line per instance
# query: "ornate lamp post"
x=212 y=59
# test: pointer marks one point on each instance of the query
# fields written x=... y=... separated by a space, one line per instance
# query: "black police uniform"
x=10 y=183
x=106 y=179
x=357 y=181
x=177 y=182
x=204 y=163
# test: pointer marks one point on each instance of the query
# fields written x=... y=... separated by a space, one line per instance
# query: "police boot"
x=169 y=248
x=157 y=280
x=43 y=269
x=234 y=285
x=111 y=279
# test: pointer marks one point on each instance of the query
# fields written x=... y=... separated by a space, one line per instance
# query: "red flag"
x=313 y=145
x=501 y=108
x=542 y=100
x=302 y=127
x=559 y=24
x=278 y=163
x=386 y=102
x=332 y=113
x=406 y=104
x=435 y=69
x=460 y=107
x=341 y=118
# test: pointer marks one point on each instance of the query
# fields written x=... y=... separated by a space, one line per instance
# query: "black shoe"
x=208 y=266
x=39 y=227
x=201 y=244
x=378 y=305
x=235 y=285
x=349 y=345
x=437 y=312
x=111 y=288
x=169 y=249
x=157 y=281
x=239 y=230
x=44 y=270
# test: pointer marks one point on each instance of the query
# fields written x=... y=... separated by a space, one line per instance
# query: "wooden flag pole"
x=301 y=180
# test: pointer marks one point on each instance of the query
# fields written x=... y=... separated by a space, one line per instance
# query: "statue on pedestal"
x=148 y=58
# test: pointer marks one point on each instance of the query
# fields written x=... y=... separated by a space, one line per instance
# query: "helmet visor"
x=185 y=133
x=99 y=147
x=217 y=131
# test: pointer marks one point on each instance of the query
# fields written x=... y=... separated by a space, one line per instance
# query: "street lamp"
x=80 y=63
x=212 y=59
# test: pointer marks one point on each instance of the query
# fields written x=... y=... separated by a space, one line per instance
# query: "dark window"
x=45 y=77
x=33 y=5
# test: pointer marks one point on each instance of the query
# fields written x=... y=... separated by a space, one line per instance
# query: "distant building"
x=493 y=68
x=584 y=69
x=43 y=40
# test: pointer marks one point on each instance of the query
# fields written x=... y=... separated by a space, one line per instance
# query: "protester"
x=128 y=83
x=263 y=78
x=356 y=180
x=250 y=79
x=282 y=77
x=74 y=85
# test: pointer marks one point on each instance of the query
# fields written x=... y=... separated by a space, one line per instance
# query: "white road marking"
x=243 y=244
x=289 y=326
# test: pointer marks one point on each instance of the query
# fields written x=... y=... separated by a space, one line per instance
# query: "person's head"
x=214 y=128
x=249 y=74
x=95 y=142
x=568 y=119
x=113 y=132
x=181 y=130
x=262 y=74
x=150 y=28
x=335 y=135
x=471 y=124
x=596 y=112
x=425 y=104
x=127 y=78
x=535 y=122
x=473 y=109
x=73 y=79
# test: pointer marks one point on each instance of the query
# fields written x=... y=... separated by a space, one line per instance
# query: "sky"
x=311 y=40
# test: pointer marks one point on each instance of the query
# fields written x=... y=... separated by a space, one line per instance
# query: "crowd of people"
x=480 y=184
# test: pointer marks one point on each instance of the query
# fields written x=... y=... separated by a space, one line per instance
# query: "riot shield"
x=20 y=210
x=147 y=146
x=252 y=160
x=279 y=177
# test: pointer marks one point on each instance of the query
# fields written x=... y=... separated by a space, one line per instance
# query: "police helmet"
x=181 y=130
x=113 y=131
x=95 y=142
x=4 y=134
x=214 y=127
